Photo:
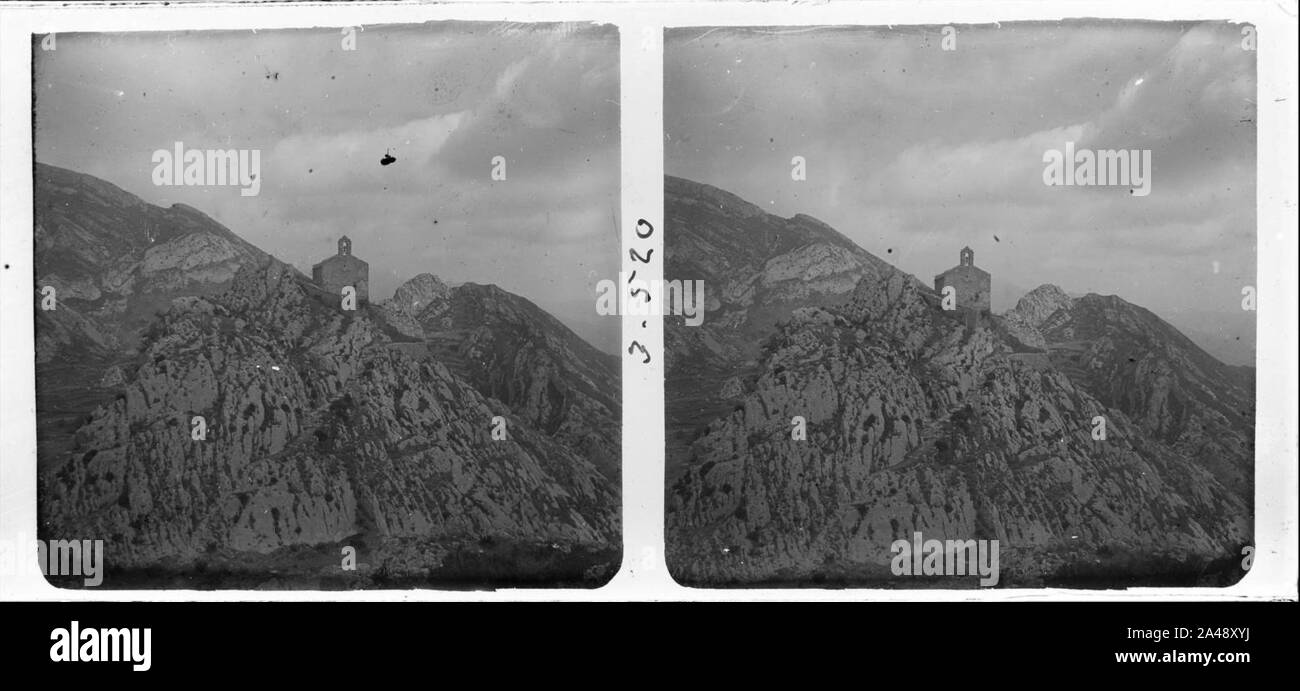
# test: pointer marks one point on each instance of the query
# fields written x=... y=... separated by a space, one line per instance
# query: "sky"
x=914 y=151
x=442 y=98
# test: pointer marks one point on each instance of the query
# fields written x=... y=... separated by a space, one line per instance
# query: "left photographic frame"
x=314 y=307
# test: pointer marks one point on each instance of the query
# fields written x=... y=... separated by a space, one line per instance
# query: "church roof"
x=960 y=268
x=335 y=258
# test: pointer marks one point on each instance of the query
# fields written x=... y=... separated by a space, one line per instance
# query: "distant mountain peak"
x=917 y=421
x=1039 y=304
x=419 y=291
x=1048 y=289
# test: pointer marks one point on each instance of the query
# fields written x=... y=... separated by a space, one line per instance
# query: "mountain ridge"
x=918 y=423
x=320 y=428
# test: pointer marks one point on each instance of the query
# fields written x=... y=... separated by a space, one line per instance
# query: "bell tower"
x=969 y=284
x=341 y=271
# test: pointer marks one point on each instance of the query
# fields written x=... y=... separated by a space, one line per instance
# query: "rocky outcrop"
x=757 y=269
x=512 y=350
x=422 y=292
x=918 y=423
x=316 y=430
x=402 y=311
x=206 y=409
x=1135 y=362
x=116 y=261
x=1027 y=317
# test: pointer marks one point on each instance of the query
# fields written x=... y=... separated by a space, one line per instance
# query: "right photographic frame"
x=960 y=306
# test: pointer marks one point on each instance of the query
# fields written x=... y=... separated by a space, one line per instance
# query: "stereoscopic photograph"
x=314 y=307
x=979 y=305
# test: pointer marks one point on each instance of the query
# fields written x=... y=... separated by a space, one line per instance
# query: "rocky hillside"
x=324 y=429
x=1025 y=320
x=757 y=270
x=512 y=350
x=917 y=423
x=114 y=262
x=1133 y=361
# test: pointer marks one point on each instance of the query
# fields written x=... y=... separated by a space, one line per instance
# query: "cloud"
x=443 y=98
x=919 y=151
x=1005 y=170
x=348 y=158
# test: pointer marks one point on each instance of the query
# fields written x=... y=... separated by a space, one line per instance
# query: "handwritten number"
x=638 y=346
x=636 y=256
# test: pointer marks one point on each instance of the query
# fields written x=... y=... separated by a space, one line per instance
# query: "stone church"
x=343 y=269
x=972 y=283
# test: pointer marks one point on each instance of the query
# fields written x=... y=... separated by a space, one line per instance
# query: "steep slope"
x=1133 y=361
x=757 y=270
x=317 y=431
x=758 y=267
x=512 y=350
x=322 y=429
x=917 y=423
x=114 y=262
x=915 y=426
